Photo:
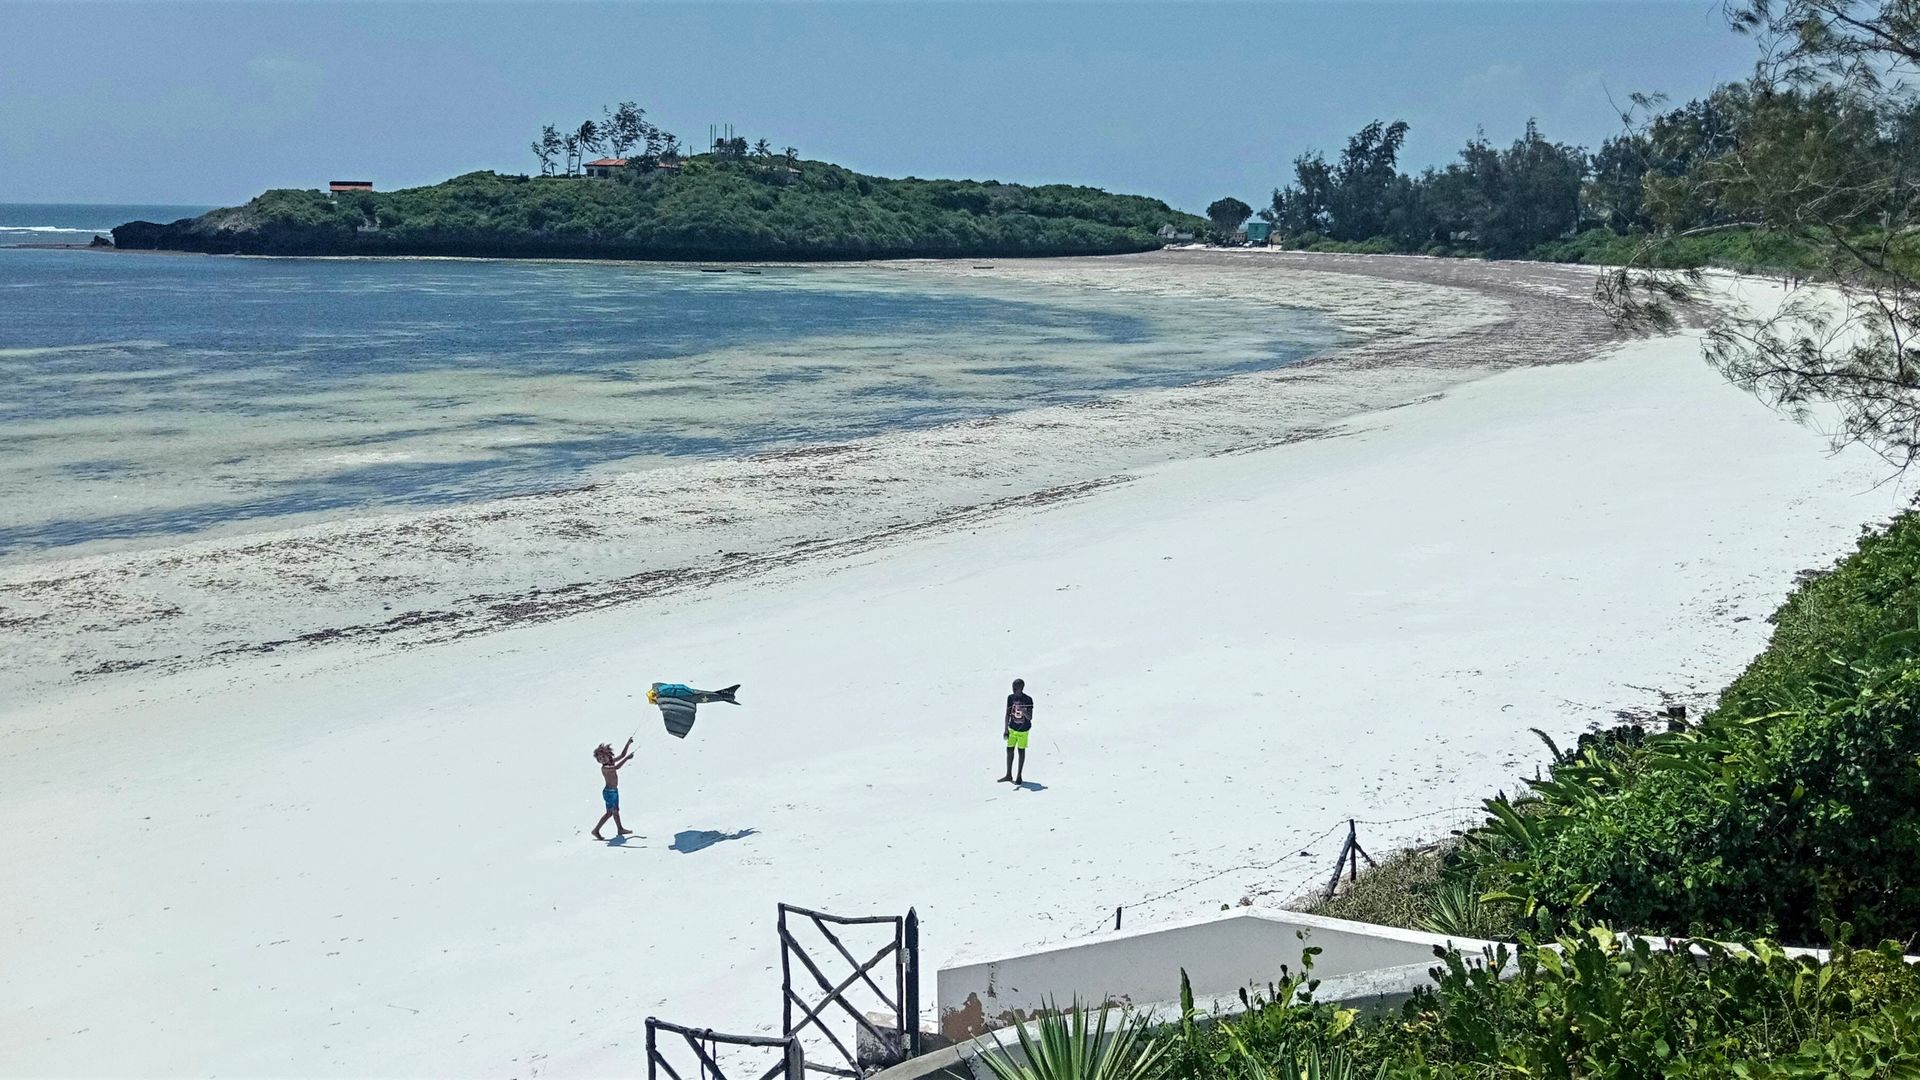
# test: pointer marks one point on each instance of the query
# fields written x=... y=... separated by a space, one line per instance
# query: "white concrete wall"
x=1221 y=954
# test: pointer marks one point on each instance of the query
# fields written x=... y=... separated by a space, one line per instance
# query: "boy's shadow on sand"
x=688 y=841
x=1030 y=785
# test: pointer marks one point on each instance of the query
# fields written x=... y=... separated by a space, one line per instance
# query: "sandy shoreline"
x=1420 y=326
x=359 y=860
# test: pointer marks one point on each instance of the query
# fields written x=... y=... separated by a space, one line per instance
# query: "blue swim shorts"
x=612 y=798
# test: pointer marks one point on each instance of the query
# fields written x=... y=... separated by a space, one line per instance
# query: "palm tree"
x=571 y=144
x=592 y=140
x=792 y=154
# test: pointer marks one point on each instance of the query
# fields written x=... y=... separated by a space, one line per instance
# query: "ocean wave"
x=51 y=229
x=92 y=346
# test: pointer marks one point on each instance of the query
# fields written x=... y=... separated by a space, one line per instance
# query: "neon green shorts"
x=1017 y=740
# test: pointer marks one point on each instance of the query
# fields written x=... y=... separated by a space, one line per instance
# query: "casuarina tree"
x=626 y=127
x=1825 y=162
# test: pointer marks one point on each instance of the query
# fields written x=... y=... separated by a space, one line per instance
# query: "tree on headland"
x=1228 y=215
x=624 y=128
x=546 y=147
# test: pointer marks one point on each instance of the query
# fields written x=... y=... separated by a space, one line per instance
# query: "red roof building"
x=349 y=185
x=605 y=168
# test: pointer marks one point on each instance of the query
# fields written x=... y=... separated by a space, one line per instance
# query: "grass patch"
x=1398 y=892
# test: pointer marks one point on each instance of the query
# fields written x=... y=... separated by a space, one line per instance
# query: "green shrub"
x=1797 y=802
x=1588 y=1005
x=1836 y=624
x=1593 y=1005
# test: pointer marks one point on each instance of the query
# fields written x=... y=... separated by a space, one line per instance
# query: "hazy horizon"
x=202 y=104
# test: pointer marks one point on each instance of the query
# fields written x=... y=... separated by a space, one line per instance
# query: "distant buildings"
x=608 y=168
x=1259 y=233
x=1173 y=235
x=335 y=187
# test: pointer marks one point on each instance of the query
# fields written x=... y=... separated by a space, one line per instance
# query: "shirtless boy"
x=610 y=772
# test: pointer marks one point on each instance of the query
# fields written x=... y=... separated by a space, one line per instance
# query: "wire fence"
x=1293 y=851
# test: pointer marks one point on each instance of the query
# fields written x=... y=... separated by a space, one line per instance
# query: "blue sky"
x=190 y=103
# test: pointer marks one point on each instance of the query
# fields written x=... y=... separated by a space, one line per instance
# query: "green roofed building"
x=1259 y=232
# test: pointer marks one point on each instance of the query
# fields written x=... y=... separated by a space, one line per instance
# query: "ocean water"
x=77 y=223
x=145 y=397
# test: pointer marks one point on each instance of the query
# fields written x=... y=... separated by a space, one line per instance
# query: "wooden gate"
x=791 y=1064
x=842 y=998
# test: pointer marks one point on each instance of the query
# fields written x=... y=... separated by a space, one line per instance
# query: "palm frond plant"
x=1068 y=1048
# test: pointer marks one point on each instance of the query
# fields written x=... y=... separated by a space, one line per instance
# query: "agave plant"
x=1459 y=910
x=1066 y=1048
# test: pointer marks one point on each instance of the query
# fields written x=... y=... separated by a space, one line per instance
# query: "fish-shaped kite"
x=678 y=704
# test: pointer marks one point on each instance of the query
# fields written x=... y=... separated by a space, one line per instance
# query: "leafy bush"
x=1282 y=1028
x=1733 y=249
x=1594 y=1005
x=1589 y=1004
x=1836 y=625
x=1379 y=245
x=1797 y=802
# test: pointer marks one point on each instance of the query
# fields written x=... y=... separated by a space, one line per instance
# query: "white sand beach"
x=1247 y=611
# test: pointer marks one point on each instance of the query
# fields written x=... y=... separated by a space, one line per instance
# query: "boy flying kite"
x=610 y=773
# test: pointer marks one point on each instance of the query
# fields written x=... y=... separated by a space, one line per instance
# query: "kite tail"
x=726 y=695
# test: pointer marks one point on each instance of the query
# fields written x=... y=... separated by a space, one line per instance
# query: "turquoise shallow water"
x=148 y=396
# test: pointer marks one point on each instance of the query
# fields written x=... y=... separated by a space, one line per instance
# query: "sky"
x=209 y=104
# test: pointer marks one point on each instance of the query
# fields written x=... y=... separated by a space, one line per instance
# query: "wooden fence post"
x=1339 y=864
x=786 y=971
x=910 y=993
x=796 y=1059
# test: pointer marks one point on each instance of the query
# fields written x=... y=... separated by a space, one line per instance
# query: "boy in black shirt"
x=1019 y=721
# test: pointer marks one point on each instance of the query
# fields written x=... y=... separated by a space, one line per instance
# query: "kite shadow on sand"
x=688 y=841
